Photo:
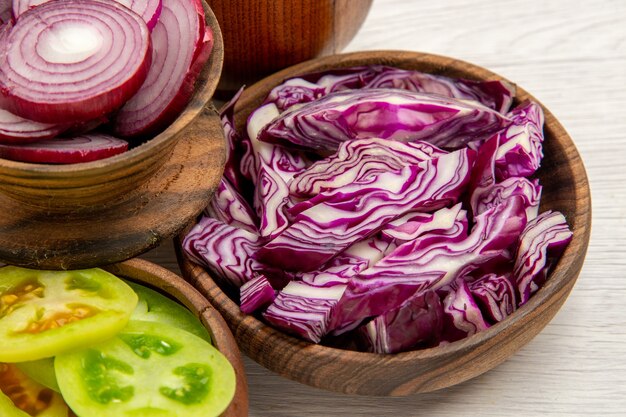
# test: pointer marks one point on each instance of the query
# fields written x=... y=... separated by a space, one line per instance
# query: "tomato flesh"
x=44 y=313
x=23 y=397
x=149 y=369
x=153 y=306
x=41 y=371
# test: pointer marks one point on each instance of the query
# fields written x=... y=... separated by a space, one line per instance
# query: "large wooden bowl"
x=565 y=188
x=149 y=274
x=263 y=36
x=67 y=188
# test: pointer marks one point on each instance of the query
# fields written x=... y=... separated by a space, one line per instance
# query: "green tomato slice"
x=20 y=396
x=44 y=313
x=153 y=306
x=148 y=370
x=41 y=371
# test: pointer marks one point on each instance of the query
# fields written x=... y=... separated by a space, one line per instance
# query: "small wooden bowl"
x=263 y=36
x=144 y=272
x=565 y=188
x=67 y=188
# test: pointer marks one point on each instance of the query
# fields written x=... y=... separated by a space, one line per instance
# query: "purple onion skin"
x=430 y=262
x=521 y=150
x=416 y=323
x=359 y=210
x=462 y=316
x=256 y=294
x=384 y=113
x=228 y=206
x=497 y=95
x=358 y=159
x=495 y=294
x=541 y=244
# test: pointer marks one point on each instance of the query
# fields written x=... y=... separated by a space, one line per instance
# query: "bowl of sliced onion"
x=391 y=223
x=108 y=141
x=94 y=95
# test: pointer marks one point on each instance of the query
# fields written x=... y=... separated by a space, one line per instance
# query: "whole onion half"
x=16 y=129
x=85 y=148
x=73 y=60
x=181 y=46
x=149 y=10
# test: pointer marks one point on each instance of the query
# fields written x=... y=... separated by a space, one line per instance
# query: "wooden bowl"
x=160 y=279
x=565 y=188
x=263 y=36
x=67 y=188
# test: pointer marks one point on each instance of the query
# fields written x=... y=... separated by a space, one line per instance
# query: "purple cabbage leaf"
x=495 y=294
x=390 y=114
x=256 y=294
x=542 y=242
x=228 y=206
x=334 y=220
x=462 y=316
x=358 y=159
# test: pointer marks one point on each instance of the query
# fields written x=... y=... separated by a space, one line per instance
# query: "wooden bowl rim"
x=138 y=154
x=560 y=277
x=138 y=269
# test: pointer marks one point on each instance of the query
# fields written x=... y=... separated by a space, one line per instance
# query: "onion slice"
x=16 y=129
x=181 y=46
x=73 y=60
x=149 y=10
x=85 y=148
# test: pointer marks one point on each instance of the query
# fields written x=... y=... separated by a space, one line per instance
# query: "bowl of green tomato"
x=131 y=340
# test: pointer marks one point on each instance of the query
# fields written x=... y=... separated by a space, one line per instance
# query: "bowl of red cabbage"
x=95 y=94
x=389 y=222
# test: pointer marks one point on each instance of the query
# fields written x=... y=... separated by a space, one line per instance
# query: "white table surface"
x=571 y=55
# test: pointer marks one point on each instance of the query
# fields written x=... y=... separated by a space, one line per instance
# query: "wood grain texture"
x=101 y=234
x=570 y=55
x=66 y=189
x=165 y=281
x=565 y=188
x=262 y=36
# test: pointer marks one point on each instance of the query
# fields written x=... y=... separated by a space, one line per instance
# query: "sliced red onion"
x=85 y=148
x=16 y=129
x=181 y=45
x=149 y=10
x=73 y=60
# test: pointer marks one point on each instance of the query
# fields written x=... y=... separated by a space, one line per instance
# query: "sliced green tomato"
x=153 y=306
x=20 y=396
x=41 y=371
x=44 y=313
x=148 y=370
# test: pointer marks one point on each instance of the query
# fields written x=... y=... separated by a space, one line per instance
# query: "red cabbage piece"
x=521 y=149
x=431 y=262
x=273 y=168
x=495 y=94
x=235 y=149
x=357 y=159
x=418 y=322
x=462 y=316
x=256 y=294
x=334 y=220
x=347 y=264
x=303 y=309
x=541 y=244
x=228 y=206
x=530 y=191
x=226 y=250
x=390 y=114
x=413 y=225
x=495 y=294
